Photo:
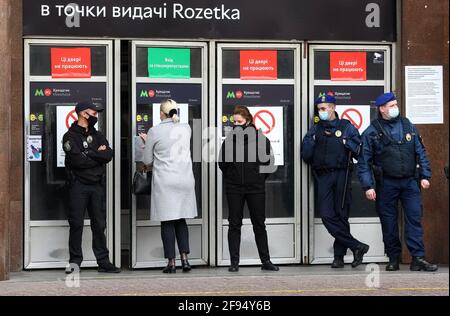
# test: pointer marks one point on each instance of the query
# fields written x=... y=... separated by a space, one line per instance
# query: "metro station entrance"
x=277 y=81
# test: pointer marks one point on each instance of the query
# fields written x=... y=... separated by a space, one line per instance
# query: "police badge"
x=67 y=146
x=85 y=145
x=408 y=137
x=338 y=133
x=89 y=139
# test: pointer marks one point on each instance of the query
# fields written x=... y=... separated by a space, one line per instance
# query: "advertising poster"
x=34 y=148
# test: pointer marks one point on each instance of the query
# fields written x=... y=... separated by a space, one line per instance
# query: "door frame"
x=389 y=67
x=112 y=221
x=204 y=221
x=298 y=97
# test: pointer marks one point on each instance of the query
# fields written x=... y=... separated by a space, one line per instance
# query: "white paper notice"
x=270 y=120
x=183 y=113
x=424 y=94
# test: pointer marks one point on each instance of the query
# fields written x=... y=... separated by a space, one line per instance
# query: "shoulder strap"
x=387 y=139
x=343 y=124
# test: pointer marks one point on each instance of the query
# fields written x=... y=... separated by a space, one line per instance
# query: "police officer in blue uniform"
x=329 y=148
x=394 y=152
x=87 y=153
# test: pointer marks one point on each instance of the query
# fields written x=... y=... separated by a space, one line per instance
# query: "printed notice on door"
x=424 y=94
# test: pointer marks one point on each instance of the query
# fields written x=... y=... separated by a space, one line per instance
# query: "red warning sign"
x=264 y=120
x=348 y=66
x=354 y=116
x=70 y=118
x=71 y=62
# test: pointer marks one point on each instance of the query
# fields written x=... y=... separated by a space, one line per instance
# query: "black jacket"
x=247 y=168
x=83 y=159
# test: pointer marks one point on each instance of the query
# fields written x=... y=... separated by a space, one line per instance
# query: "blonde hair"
x=170 y=109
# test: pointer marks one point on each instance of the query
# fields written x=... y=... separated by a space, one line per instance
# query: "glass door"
x=265 y=78
x=356 y=75
x=58 y=74
x=178 y=71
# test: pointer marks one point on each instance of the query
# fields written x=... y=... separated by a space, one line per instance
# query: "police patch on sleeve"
x=67 y=146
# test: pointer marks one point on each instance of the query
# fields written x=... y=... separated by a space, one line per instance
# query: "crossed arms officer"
x=329 y=147
x=87 y=153
x=393 y=150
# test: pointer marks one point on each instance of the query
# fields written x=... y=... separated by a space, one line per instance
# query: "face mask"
x=92 y=120
x=323 y=115
x=394 y=112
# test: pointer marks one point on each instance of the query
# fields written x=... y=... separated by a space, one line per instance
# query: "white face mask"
x=393 y=112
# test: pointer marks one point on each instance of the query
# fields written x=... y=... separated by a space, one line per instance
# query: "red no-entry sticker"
x=70 y=118
x=264 y=120
x=354 y=116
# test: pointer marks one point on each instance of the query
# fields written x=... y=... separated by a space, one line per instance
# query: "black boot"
x=420 y=264
x=170 y=269
x=234 y=267
x=108 y=267
x=338 y=262
x=269 y=266
x=185 y=265
x=394 y=264
x=359 y=253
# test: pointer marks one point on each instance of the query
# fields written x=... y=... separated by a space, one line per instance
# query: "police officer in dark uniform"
x=87 y=153
x=394 y=152
x=329 y=148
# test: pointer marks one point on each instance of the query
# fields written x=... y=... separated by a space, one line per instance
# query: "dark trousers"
x=171 y=230
x=91 y=197
x=388 y=195
x=330 y=187
x=256 y=203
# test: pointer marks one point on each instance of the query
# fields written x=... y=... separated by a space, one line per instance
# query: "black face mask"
x=92 y=120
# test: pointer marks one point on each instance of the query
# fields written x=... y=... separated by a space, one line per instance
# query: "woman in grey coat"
x=167 y=149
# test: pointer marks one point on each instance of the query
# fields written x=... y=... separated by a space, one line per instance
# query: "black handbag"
x=142 y=182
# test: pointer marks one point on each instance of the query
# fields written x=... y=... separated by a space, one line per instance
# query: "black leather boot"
x=185 y=265
x=108 y=267
x=359 y=253
x=170 y=269
x=420 y=264
x=338 y=262
x=269 y=266
x=234 y=267
x=394 y=264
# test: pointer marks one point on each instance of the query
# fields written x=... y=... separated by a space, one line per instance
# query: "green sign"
x=169 y=63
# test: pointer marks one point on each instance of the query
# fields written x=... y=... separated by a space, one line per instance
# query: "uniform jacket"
x=83 y=160
x=350 y=139
x=372 y=145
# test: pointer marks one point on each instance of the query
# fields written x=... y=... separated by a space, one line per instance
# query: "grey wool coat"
x=167 y=148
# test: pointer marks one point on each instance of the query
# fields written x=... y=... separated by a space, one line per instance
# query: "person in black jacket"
x=87 y=153
x=246 y=161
